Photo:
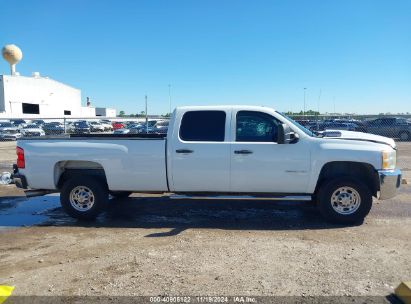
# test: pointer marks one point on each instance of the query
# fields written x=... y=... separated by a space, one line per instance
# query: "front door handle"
x=185 y=151
x=243 y=152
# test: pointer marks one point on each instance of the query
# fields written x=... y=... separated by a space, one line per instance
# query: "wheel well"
x=65 y=170
x=361 y=171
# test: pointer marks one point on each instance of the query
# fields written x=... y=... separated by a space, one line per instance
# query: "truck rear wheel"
x=344 y=201
x=84 y=197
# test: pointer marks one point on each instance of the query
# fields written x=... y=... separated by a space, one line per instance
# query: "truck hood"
x=359 y=136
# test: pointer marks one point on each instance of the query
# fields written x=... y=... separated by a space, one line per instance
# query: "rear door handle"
x=243 y=152
x=185 y=151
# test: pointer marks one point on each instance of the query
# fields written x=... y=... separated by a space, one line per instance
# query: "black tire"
x=120 y=194
x=325 y=205
x=98 y=189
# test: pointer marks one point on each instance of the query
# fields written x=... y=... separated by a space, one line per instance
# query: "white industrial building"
x=41 y=97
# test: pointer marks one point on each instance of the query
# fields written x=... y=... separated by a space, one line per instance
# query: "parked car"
x=339 y=126
x=53 y=128
x=360 y=125
x=96 y=126
x=161 y=127
x=332 y=125
x=8 y=126
x=39 y=122
x=122 y=131
x=246 y=152
x=141 y=129
x=18 y=122
x=117 y=125
x=391 y=127
x=106 y=124
x=32 y=130
x=79 y=127
x=9 y=134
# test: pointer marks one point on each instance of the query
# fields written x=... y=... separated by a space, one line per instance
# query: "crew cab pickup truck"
x=220 y=152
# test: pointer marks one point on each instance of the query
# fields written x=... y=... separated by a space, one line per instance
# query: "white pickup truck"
x=221 y=152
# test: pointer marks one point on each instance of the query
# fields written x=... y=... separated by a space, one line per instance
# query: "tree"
x=122 y=113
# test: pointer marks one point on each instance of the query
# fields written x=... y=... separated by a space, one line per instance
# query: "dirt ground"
x=152 y=245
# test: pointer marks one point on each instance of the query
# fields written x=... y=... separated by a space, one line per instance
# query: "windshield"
x=302 y=128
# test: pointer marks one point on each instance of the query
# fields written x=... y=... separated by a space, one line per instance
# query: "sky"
x=351 y=55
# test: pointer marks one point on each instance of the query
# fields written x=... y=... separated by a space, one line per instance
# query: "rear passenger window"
x=203 y=126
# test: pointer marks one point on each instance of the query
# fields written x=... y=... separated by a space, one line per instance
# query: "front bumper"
x=390 y=181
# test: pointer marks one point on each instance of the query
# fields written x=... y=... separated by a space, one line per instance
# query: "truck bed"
x=130 y=162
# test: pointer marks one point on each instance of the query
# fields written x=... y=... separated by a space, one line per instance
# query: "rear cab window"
x=203 y=126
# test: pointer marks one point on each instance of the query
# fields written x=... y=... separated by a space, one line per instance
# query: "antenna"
x=12 y=54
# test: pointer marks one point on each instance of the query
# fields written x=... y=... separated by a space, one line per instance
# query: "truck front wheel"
x=344 y=200
x=84 y=197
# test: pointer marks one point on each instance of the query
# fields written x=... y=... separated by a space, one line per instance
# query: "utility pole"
x=304 y=101
x=318 y=109
x=146 y=117
x=318 y=104
x=169 y=98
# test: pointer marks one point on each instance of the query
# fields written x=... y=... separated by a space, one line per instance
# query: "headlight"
x=389 y=159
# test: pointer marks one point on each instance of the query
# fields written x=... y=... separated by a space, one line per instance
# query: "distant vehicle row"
x=394 y=127
x=16 y=128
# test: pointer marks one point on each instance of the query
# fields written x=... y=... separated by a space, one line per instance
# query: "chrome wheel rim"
x=82 y=198
x=345 y=200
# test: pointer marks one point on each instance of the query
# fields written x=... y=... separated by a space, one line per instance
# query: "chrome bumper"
x=390 y=181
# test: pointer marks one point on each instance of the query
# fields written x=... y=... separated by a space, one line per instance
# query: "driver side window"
x=254 y=126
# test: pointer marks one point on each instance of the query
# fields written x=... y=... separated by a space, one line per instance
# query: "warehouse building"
x=40 y=97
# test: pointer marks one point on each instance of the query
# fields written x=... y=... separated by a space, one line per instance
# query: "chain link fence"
x=13 y=129
x=397 y=127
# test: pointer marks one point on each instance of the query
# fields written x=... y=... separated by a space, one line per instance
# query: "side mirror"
x=286 y=135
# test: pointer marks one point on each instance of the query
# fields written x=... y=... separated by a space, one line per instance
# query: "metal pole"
x=318 y=109
x=146 y=117
x=169 y=98
x=304 y=102
x=318 y=105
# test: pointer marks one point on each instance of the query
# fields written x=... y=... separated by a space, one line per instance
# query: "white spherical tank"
x=12 y=54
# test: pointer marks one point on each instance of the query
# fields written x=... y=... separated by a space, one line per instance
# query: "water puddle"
x=21 y=211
